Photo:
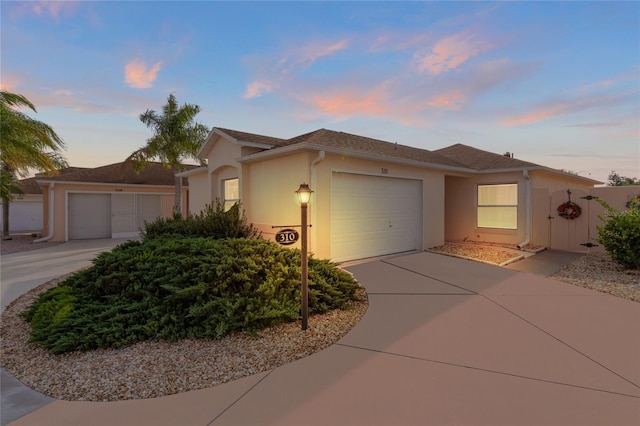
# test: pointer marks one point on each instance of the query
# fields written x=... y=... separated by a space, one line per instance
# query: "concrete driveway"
x=24 y=271
x=21 y=272
x=445 y=341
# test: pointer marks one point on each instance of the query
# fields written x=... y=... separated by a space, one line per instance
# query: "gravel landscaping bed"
x=598 y=272
x=595 y=271
x=156 y=368
x=492 y=255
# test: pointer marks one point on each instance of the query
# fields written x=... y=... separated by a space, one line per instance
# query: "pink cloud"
x=450 y=52
x=137 y=75
x=535 y=116
x=560 y=107
x=257 y=88
x=449 y=101
x=350 y=104
x=6 y=87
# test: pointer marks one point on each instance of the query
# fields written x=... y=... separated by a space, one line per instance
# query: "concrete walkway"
x=444 y=341
x=21 y=272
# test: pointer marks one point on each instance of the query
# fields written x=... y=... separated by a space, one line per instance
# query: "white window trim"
x=229 y=202
x=514 y=206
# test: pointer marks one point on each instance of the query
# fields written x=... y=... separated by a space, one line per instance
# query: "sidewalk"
x=444 y=341
x=21 y=272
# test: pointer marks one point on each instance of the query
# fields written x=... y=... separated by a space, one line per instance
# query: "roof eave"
x=208 y=143
x=197 y=170
x=539 y=168
x=70 y=182
x=306 y=146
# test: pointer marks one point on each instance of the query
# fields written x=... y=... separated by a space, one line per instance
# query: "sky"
x=555 y=83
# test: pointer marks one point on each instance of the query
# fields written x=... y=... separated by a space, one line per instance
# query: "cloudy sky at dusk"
x=557 y=83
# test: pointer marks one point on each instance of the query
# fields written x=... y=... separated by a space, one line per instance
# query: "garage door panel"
x=372 y=216
x=89 y=216
x=123 y=218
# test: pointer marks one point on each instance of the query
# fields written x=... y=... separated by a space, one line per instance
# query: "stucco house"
x=25 y=210
x=111 y=201
x=373 y=197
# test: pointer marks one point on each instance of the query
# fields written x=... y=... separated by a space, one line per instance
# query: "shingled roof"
x=122 y=173
x=362 y=144
x=458 y=156
x=252 y=137
x=30 y=185
x=478 y=159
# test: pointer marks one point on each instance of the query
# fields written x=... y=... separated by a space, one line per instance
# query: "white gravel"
x=156 y=368
x=595 y=271
x=598 y=272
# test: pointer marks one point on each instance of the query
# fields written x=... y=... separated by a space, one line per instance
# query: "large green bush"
x=212 y=222
x=173 y=288
x=620 y=235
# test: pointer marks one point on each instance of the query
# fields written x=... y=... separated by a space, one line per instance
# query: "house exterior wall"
x=461 y=206
x=62 y=189
x=269 y=199
x=268 y=192
x=199 y=191
x=449 y=210
x=222 y=164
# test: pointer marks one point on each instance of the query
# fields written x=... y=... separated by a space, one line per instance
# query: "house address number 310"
x=287 y=236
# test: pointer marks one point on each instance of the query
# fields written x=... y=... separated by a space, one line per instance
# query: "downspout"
x=527 y=194
x=314 y=185
x=51 y=205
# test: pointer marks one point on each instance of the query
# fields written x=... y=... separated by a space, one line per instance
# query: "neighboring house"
x=25 y=210
x=373 y=197
x=107 y=202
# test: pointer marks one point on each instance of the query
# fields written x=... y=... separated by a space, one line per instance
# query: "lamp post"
x=304 y=195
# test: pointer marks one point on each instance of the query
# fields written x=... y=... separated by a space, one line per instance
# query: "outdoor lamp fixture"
x=304 y=195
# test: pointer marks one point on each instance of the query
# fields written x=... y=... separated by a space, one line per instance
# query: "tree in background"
x=616 y=180
x=27 y=144
x=176 y=137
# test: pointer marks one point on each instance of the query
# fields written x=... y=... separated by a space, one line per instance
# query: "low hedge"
x=212 y=222
x=173 y=288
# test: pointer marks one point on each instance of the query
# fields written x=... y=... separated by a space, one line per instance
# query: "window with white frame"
x=498 y=206
x=231 y=192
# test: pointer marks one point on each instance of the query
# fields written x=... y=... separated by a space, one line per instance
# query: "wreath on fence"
x=569 y=210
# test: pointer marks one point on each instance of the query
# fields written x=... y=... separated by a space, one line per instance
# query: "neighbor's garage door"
x=89 y=216
x=373 y=216
x=24 y=215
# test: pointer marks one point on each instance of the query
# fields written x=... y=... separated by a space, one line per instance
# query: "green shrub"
x=620 y=235
x=213 y=222
x=173 y=288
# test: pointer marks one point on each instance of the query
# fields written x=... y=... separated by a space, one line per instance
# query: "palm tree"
x=175 y=137
x=27 y=144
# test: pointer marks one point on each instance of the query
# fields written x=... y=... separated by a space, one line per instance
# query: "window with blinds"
x=498 y=206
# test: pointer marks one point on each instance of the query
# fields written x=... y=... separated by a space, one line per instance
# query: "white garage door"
x=24 y=215
x=373 y=216
x=129 y=212
x=89 y=216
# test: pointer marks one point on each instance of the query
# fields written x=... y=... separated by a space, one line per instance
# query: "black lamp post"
x=304 y=195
